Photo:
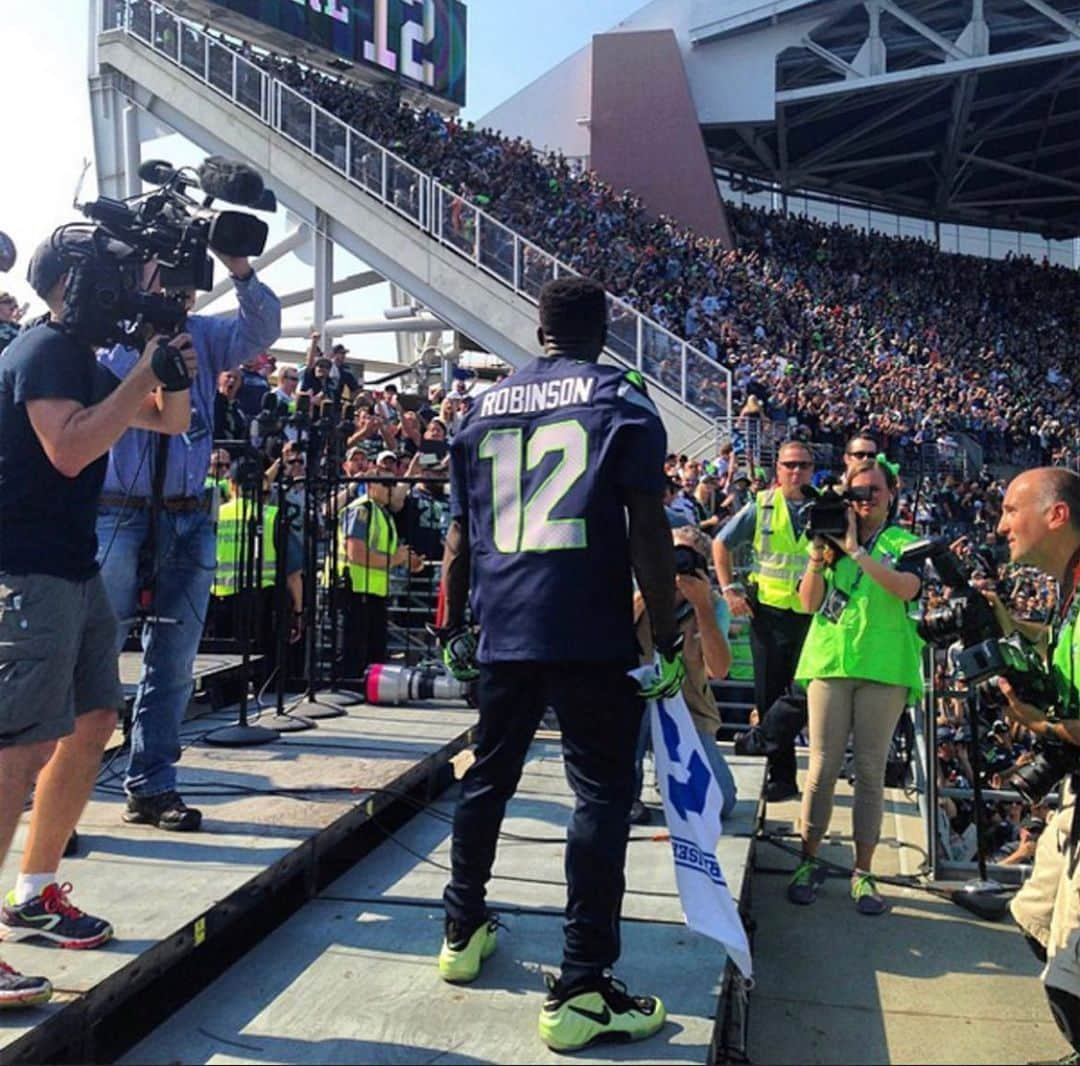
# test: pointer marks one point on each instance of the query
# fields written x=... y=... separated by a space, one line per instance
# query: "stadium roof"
x=959 y=111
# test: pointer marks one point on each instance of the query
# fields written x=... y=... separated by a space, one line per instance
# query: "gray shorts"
x=57 y=655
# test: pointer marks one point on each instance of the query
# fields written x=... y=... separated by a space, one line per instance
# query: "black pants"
x=364 y=637
x=776 y=639
x=599 y=713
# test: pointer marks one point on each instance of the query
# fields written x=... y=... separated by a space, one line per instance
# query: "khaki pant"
x=1048 y=906
x=840 y=707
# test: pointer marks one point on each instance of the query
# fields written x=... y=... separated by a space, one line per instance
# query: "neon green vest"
x=381 y=537
x=742 y=662
x=875 y=637
x=1065 y=666
x=222 y=485
x=781 y=556
x=230 y=546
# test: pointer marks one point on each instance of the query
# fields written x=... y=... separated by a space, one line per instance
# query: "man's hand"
x=237 y=265
x=296 y=627
x=458 y=645
x=1024 y=713
x=738 y=601
x=670 y=672
x=1001 y=612
x=696 y=591
x=165 y=361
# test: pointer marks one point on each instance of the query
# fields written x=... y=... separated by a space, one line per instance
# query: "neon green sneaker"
x=864 y=892
x=462 y=955
x=803 y=887
x=600 y=1011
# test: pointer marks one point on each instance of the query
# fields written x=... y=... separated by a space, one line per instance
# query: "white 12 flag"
x=692 y=803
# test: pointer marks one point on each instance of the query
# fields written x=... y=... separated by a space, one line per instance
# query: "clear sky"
x=43 y=86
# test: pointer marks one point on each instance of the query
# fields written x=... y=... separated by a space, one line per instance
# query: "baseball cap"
x=386 y=456
x=353 y=451
x=1033 y=824
x=340 y=348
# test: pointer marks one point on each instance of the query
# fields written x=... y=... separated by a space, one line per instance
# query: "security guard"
x=371 y=549
x=234 y=564
x=772 y=523
x=1040 y=520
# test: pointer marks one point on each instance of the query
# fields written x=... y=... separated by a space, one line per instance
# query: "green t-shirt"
x=1065 y=665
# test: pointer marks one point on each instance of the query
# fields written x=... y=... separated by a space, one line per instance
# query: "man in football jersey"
x=556 y=497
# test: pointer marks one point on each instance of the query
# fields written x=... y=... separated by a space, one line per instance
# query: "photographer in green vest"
x=1040 y=521
x=372 y=548
x=772 y=523
x=861 y=664
x=243 y=561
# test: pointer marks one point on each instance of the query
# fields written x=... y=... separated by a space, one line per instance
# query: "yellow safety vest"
x=230 y=546
x=381 y=537
x=780 y=555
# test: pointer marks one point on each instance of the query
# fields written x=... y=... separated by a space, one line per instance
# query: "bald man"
x=1041 y=523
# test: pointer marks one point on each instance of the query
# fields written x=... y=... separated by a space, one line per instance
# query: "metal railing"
x=666 y=360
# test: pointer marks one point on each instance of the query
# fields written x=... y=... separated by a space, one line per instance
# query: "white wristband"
x=859 y=553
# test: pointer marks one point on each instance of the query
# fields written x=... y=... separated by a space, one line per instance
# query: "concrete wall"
x=546 y=111
x=645 y=133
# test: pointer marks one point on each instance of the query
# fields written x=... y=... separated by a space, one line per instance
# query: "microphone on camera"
x=226 y=179
x=156 y=172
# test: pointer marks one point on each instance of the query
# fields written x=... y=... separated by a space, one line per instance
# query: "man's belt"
x=172 y=504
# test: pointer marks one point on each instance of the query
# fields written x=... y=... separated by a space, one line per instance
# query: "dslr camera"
x=987 y=655
x=826 y=514
x=104 y=303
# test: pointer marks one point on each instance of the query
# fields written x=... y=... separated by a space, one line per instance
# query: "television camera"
x=105 y=302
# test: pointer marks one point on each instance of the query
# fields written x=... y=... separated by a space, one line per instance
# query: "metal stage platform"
x=351 y=977
x=280 y=823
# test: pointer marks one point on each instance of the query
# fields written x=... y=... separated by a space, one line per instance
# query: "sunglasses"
x=863 y=455
x=792 y=465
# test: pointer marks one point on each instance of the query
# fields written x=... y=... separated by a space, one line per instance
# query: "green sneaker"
x=803 y=887
x=463 y=953
x=602 y=1010
x=864 y=892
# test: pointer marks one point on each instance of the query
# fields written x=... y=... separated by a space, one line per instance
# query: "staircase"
x=474 y=273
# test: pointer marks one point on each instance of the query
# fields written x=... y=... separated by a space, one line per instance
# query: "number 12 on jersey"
x=526 y=525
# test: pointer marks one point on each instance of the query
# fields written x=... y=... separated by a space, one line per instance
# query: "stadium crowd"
x=831 y=327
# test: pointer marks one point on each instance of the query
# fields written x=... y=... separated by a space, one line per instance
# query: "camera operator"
x=861 y=663
x=773 y=523
x=59 y=687
x=178 y=558
x=227 y=600
x=1040 y=521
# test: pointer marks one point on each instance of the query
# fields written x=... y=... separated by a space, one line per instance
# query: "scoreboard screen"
x=422 y=41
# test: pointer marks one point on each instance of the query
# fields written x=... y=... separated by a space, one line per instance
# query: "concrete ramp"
x=474 y=273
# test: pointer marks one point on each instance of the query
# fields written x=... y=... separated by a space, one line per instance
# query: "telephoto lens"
x=386 y=685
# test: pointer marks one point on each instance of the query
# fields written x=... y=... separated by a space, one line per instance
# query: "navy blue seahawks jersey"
x=540 y=471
